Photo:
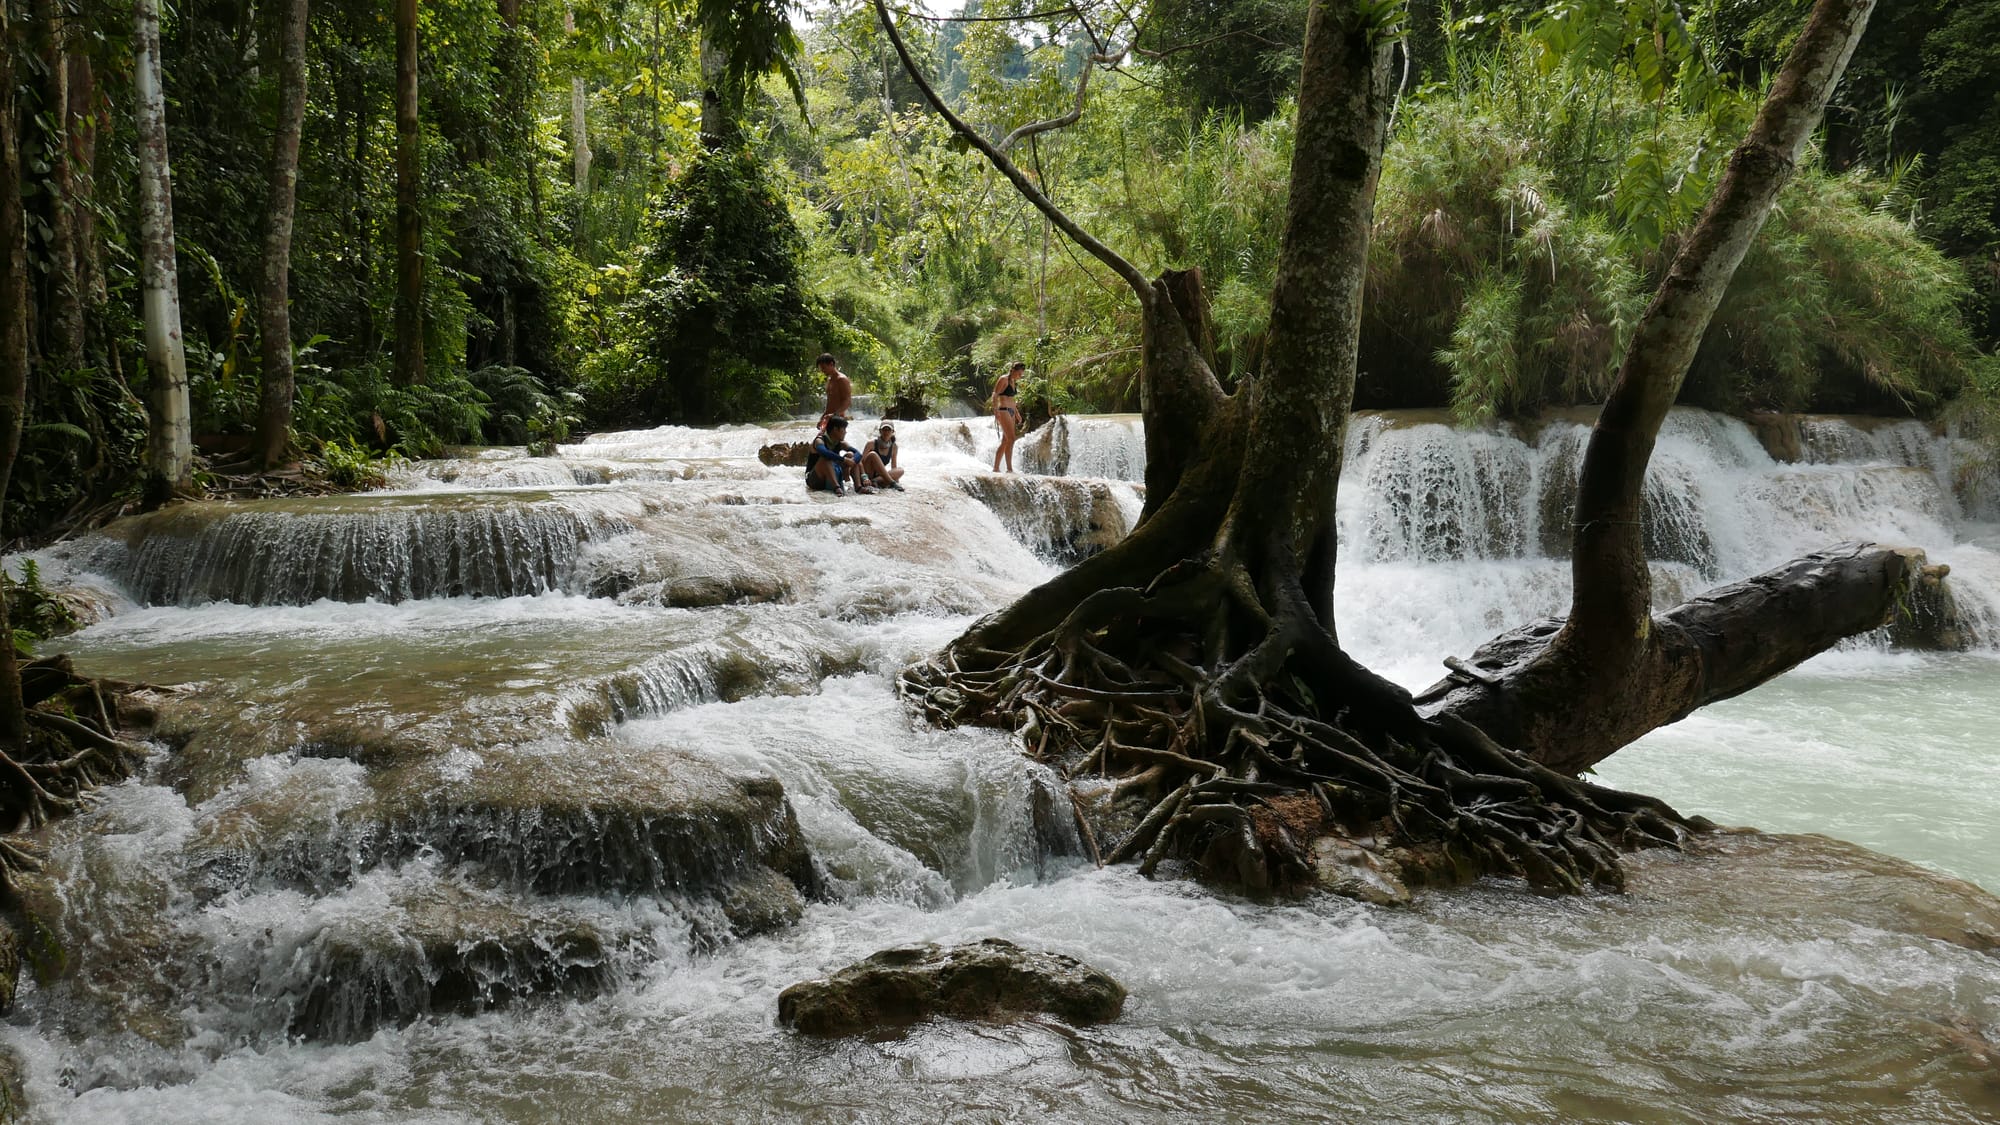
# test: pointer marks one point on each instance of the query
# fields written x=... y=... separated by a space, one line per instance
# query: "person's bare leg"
x=874 y=471
x=829 y=479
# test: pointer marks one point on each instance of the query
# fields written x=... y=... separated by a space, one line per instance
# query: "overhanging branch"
x=1124 y=269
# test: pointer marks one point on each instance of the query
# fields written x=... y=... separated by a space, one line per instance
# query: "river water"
x=429 y=711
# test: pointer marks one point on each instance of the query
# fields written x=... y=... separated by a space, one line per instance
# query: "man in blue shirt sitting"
x=833 y=463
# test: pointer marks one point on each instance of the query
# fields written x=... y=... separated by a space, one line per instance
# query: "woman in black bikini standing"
x=1007 y=412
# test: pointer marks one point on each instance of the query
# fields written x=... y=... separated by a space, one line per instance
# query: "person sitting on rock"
x=833 y=463
x=878 y=461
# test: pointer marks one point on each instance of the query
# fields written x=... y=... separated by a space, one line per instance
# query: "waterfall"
x=1449 y=535
x=545 y=738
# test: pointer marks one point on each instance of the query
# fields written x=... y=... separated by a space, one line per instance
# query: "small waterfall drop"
x=541 y=741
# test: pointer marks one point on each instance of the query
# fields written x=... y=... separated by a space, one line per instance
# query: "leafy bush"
x=1525 y=214
x=34 y=611
x=728 y=326
x=350 y=465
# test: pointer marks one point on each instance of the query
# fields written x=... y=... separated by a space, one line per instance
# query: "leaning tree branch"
x=1611 y=605
x=1579 y=689
x=1124 y=269
x=1710 y=648
x=1075 y=114
x=1025 y=17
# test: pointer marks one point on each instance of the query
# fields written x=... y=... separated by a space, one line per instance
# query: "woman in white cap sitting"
x=878 y=460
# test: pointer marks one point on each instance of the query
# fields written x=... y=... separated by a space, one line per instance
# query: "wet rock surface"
x=987 y=980
x=789 y=453
x=1062 y=519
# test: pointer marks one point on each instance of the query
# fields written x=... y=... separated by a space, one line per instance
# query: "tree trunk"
x=1196 y=662
x=718 y=115
x=62 y=303
x=579 y=102
x=409 y=346
x=14 y=330
x=170 y=445
x=1578 y=688
x=274 y=319
x=84 y=121
x=1717 y=646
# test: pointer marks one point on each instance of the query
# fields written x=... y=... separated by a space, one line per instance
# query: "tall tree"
x=13 y=357
x=274 y=318
x=409 y=344
x=579 y=118
x=170 y=445
x=1614 y=671
x=1198 y=660
x=84 y=116
x=62 y=300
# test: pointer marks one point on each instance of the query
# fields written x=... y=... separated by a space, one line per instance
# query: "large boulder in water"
x=987 y=980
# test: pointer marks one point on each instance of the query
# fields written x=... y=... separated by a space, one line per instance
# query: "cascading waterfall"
x=1447 y=537
x=527 y=768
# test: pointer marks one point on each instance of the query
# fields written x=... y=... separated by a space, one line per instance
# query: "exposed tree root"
x=66 y=755
x=1235 y=722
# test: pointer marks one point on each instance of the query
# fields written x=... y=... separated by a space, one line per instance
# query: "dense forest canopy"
x=636 y=211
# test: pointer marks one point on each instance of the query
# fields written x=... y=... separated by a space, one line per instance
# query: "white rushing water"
x=471 y=768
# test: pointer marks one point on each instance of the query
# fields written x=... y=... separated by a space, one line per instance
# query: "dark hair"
x=826 y=357
x=1018 y=366
x=836 y=423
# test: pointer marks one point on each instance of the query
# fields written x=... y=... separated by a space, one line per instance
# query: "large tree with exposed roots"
x=1196 y=665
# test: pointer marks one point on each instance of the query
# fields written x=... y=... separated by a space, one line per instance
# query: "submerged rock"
x=446 y=950
x=987 y=980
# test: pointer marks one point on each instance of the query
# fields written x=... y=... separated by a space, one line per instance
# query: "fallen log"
x=1714 y=646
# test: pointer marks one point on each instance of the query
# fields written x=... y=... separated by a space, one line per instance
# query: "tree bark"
x=1301 y=398
x=409 y=345
x=579 y=132
x=579 y=101
x=274 y=319
x=170 y=445
x=62 y=304
x=1707 y=650
x=14 y=330
x=84 y=121
x=1578 y=685
x=718 y=115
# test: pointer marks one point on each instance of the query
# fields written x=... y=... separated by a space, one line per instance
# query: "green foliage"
x=350 y=465
x=1550 y=154
x=34 y=611
x=1229 y=56
x=520 y=409
x=1526 y=211
x=730 y=329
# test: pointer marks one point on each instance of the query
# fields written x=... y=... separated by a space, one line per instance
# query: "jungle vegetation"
x=395 y=226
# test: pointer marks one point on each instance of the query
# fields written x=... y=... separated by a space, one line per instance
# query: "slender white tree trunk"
x=170 y=444
x=579 y=131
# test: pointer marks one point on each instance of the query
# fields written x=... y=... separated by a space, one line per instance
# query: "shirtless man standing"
x=839 y=390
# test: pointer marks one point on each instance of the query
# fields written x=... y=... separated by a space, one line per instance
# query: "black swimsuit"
x=1007 y=392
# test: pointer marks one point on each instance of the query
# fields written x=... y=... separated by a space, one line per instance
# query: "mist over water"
x=429 y=705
